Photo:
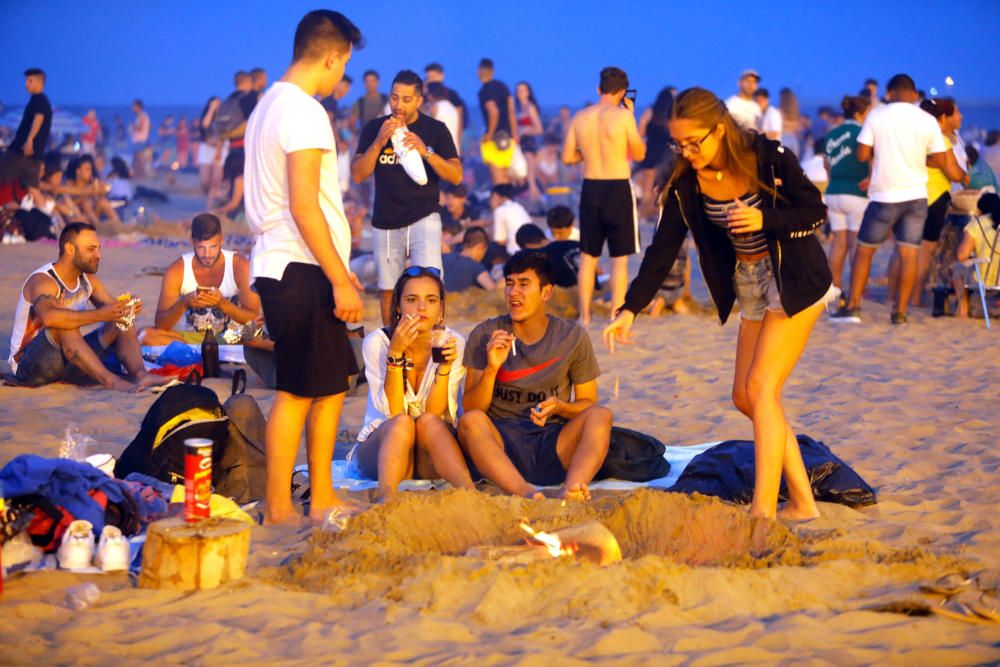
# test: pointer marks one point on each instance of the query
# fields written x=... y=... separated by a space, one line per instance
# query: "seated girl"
x=409 y=427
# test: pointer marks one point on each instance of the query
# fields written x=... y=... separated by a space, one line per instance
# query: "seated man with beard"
x=47 y=343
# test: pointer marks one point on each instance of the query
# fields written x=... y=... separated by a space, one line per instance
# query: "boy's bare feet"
x=577 y=492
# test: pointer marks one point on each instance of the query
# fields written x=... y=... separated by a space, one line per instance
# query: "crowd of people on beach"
x=527 y=207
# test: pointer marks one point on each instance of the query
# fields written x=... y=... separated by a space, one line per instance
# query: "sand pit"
x=411 y=552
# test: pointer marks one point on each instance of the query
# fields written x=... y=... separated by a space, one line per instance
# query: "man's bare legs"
x=281 y=444
x=619 y=282
x=321 y=437
x=386 y=305
x=843 y=246
x=79 y=353
x=582 y=447
x=482 y=441
x=924 y=254
x=585 y=283
x=907 y=275
x=860 y=269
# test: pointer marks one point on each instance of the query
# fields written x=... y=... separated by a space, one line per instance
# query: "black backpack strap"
x=239 y=382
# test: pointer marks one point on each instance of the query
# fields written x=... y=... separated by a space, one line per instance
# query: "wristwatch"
x=430 y=152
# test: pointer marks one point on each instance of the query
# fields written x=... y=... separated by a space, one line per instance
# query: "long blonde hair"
x=704 y=108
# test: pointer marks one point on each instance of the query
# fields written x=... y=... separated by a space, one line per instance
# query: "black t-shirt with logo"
x=38 y=104
x=564 y=256
x=399 y=201
x=498 y=93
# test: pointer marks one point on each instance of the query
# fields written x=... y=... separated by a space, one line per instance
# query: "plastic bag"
x=75 y=445
x=518 y=164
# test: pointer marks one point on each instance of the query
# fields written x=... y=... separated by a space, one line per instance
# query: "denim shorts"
x=756 y=289
x=905 y=219
x=420 y=242
x=43 y=362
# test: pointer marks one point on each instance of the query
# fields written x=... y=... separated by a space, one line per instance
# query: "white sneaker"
x=77 y=548
x=113 y=552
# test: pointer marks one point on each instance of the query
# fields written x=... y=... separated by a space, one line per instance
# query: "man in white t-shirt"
x=508 y=216
x=901 y=141
x=443 y=110
x=771 y=123
x=300 y=258
x=741 y=106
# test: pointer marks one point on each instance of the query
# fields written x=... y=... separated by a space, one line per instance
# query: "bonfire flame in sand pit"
x=588 y=541
x=550 y=541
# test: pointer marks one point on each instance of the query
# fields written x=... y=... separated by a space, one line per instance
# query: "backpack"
x=181 y=412
x=229 y=115
x=244 y=463
x=634 y=457
x=191 y=411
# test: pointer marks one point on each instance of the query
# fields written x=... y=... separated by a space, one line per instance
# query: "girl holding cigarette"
x=408 y=431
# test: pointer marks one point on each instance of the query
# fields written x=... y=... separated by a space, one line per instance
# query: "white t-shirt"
x=446 y=112
x=286 y=120
x=771 y=121
x=507 y=219
x=746 y=112
x=901 y=135
x=374 y=350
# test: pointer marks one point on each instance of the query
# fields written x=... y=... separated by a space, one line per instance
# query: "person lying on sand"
x=47 y=344
x=531 y=414
x=409 y=423
x=203 y=289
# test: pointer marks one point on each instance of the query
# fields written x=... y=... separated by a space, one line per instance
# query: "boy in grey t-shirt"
x=531 y=414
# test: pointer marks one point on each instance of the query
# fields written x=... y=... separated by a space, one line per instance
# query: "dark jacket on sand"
x=802 y=272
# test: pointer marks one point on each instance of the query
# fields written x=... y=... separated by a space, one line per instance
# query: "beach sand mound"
x=411 y=552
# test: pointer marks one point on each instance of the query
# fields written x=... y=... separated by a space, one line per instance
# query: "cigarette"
x=513 y=346
x=616 y=387
x=409 y=317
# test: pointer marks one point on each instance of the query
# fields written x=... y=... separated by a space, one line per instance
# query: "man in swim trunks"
x=604 y=136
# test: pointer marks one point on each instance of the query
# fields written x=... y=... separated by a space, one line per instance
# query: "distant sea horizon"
x=979 y=114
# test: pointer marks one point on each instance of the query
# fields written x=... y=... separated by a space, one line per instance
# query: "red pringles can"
x=197 y=479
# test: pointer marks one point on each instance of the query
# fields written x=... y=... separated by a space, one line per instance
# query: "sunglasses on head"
x=414 y=271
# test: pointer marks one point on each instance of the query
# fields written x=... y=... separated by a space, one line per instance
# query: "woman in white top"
x=412 y=399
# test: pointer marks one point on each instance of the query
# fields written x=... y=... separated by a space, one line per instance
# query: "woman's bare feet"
x=796 y=513
x=531 y=493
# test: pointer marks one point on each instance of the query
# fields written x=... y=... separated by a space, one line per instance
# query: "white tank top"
x=26 y=323
x=199 y=319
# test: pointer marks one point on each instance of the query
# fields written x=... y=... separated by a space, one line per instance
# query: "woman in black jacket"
x=753 y=214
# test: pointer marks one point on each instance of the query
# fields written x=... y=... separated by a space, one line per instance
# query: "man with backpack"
x=231 y=120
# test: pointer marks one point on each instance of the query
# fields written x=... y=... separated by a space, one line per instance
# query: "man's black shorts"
x=532 y=450
x=607 y=211
x=312 y=354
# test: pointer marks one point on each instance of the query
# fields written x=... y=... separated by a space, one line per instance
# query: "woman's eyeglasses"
x=693 y=147
x=414 y=271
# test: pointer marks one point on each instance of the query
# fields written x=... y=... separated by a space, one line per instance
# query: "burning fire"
x=549 y=541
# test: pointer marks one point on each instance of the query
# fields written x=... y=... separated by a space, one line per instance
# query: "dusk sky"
x=183 y=52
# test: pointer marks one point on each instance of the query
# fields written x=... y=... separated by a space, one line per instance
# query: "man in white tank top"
x=47 y=344
x=204 y=289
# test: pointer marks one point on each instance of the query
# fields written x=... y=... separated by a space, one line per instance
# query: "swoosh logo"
x=506 y=376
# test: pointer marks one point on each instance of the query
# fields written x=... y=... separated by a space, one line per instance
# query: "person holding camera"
x=605 y=137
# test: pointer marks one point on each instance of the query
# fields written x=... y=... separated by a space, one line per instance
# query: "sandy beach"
x=913 y=409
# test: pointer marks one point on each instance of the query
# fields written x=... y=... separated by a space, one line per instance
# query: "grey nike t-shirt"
x=562 y=358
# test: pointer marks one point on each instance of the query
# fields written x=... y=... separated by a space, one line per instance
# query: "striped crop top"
x=744 y=244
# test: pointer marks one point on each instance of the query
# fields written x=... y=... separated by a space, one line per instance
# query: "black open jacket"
x=790 y=221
